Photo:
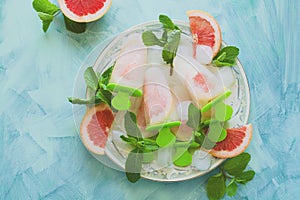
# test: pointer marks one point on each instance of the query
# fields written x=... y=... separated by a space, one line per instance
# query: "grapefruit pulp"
x=84 y=10
x=95 y=128
x=235 y=143
x=205 y=30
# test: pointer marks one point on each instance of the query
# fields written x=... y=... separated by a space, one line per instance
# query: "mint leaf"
x=130 y=140
x=104 y=95
x=131 y=127
x=236 y=165
x=90 y=78
x=46 y=20
x=133 y=165
x=165 y=137
x=245 y=177
x=105 y=76
x=148 y=156
x=232 y=188
x=167 y=22
x=45 y=6
x=194 y=117
x=170 y=48
x=216 y=187
x=226 y=56
x=150 y=39
x=46 y=11
x=75 y=27
x=91 y=101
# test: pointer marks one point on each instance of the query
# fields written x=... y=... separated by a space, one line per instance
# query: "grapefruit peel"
x=79 y=11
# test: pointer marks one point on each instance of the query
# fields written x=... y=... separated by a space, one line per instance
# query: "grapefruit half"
x=95 y=128
x=205 y=30
x=84 y=10
x=235 y=143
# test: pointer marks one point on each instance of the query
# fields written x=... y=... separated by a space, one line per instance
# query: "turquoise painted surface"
x=41 y=156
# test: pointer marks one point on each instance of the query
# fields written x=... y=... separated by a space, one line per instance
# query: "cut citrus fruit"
x=95 y=127
x=84 y=10
x=205 y=30
x=235 y=143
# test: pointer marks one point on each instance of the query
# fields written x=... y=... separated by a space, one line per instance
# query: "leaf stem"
x=57 y=13
x=222 y=170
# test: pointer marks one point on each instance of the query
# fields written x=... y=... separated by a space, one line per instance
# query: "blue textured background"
x=41 y=156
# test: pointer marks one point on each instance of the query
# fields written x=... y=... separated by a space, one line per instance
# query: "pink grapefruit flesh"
x=84 y=10
x=205 y=30
x=95 y=128
x=235 y=143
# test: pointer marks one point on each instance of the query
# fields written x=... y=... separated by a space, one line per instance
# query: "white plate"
x=105 y=54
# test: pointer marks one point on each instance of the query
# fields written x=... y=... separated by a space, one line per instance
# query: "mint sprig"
x=226 y=56
x=231 y=173
x=133 y=165
x=98 y=85
x=169 y=40
x=143 y=148
x=46 y=12
x=170 y=47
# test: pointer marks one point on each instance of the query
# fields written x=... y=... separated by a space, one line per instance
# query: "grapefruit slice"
x=84 y=10
x=95 y=127
x=235 y=143
x=205 y=30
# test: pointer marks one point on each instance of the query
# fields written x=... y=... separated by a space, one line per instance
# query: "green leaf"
x=84 y=101
x=170 y=48
x=222 y=112
x=216 y=132
x=165 y=137
x=45 y=6
x=130 y=125
x=194 y=117
x=215 y=101
x=105 y=76
x=216 y=187
x=150 y=145
x=133 y=165
x=150 y=39
x=121 y=101
x=46 y=20
x=184 y=159
x=148 y=156
x=91 y=78
x=164 y=37
x=104 y=96
x=245 y=177
x=167 y=22
x=75 y=27
x=130 y=140
x=226 y=56
x=236 y=165
x=232 y=188
x=203 y=140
